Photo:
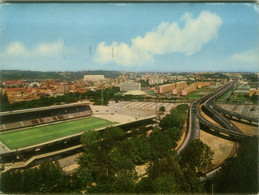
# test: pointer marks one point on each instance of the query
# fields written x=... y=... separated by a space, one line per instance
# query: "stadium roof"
x=42 y=108
x=135 y=93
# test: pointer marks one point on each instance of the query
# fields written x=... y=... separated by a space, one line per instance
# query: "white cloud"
x=17 y=49
x=250 y=56
x=165 y=39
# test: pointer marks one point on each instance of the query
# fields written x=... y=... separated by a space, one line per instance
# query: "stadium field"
x=37 y=135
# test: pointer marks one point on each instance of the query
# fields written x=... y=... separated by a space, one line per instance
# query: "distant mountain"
x=6 y=75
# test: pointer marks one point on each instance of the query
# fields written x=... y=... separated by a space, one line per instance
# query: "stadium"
x=29 y=136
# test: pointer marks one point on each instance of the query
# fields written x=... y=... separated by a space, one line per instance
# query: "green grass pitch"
x=36 y=135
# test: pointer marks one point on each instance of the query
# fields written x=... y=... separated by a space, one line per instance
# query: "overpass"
x=195 y=118
x=210 y=104
x=223 y=111
x=228 y=128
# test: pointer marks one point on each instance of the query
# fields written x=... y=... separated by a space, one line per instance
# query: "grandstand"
x=38 y=116
x=46 y=131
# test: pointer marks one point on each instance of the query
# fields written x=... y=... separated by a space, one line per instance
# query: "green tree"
x=174 y=135
x=197 y=156
x=90 y=141
x=142 y=150
x=183 y=107
x=166 y=184
x=162 y=109
x=255 y=98
x=49 y=177
x=145 y=185
x=240 y=174
x=160 y=144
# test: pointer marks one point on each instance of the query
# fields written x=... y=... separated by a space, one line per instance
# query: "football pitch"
x=37 y=135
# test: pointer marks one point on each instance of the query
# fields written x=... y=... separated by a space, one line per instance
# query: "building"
x=93 y=77
x=64 y=88
x=154 y=81
x=202 y=84
x=130 y=87
x=189 y=89
x=241 y=92
x=8 y=84
x=253 y=91
x=179 y=86
x=164 y=88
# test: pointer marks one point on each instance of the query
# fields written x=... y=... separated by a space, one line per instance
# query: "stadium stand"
x=31 y=117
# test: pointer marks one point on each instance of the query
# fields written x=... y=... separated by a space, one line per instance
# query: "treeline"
x=40 y=75
x=108 y=163
x=99 y=97
x=93 y=96
x=240 y=174
x=251 y=77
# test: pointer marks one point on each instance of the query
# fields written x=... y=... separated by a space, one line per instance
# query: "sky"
x=150 y=37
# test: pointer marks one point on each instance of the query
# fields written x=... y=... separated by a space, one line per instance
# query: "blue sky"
x=130 y=37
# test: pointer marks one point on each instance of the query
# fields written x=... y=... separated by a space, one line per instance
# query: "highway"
x=195 y=118
x=210 y=106
x=228 y=128
x=193 y=131
x=212 y=102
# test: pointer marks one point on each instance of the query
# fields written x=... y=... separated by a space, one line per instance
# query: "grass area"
x=118 y=94
x=223 y=97
x=36 y=135
x=199 y=93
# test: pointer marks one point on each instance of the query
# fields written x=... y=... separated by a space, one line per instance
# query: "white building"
x=93 y=77
x=130 y=87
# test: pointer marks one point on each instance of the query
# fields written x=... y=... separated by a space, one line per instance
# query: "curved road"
x=195 y=118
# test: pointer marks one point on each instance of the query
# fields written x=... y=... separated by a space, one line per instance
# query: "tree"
x=142 y=150
x=145 y=185
x=160 y=144
x=197 y=156
x=166 y=184
x=90 y=141
x=254 y=98
x=174 y=134
x=49 y=177
x=114 y=133
x=183 y=107
x=162 y=109
x=240 y=174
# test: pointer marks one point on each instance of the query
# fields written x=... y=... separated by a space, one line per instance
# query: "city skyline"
x=153 y=37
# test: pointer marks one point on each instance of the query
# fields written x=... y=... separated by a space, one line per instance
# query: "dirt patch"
x=222 y=148
x=141 y=170
x=245 y=128
x=71 y=168
x=119 y=118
